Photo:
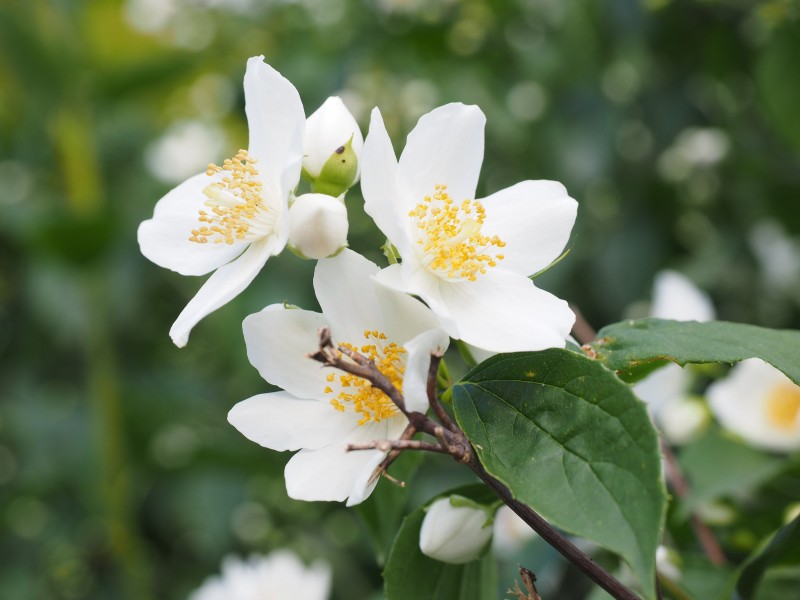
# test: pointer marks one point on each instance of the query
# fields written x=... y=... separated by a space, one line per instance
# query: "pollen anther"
x=450 y=239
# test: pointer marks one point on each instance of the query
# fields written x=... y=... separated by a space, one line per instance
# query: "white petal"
x=505 y=312
x=278 y=343
x=382 y=196
x=277 y=121
x=164 y=239
x=410 y=278
x=223 y=286
x=363 y=485
x=281 y=421
x=328 y=128
x=662 y=387
x=534 y=219
x=418 y=363
x=676 y=297
x=345 y=291
x=740 y=403
x=446 y=147
x=330 y=473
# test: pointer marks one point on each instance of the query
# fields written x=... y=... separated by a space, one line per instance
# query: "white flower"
x=231 y=219
x=468 y=259
x=759 y=403
x=277 y=576
x=667 y=563
x=324 y=409
x=318 y=225
x=676 y=297
x=666 y=390
x=453 y=532
x=330 y=128
x=511 y=533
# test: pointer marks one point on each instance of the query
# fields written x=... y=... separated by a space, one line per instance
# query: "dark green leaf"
x=627 y=345
x=570 y=439
x=780 y=553
x=411 y=574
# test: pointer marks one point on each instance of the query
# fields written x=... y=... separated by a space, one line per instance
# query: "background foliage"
x=674 y=124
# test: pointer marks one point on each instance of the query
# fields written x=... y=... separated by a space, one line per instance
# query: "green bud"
x=338 y=173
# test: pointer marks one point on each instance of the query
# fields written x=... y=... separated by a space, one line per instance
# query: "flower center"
x=358 y=393
x=450 y=240
x=236 y=210
x=783 y=406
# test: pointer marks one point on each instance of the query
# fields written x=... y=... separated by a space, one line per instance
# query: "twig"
x=529 y=581
x=433 y=398
x=458 y=446
x=387 y=445
x=681 y=487
x=582 y=331
x=407 y=434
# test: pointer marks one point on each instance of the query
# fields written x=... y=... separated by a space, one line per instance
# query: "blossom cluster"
x=461 y=268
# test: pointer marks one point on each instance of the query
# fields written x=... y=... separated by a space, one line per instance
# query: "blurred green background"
x=673 y=123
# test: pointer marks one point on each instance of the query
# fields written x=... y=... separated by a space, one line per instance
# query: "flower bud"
x=331 y=148
x=455 y=530
x=317 y=226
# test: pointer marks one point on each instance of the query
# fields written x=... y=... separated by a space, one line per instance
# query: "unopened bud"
x=331 y=148
x=455 y=530
x=317 y=226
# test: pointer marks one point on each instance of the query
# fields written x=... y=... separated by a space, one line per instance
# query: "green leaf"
x=411 y=574
x=717 y=466
x=781 y=555
x=627 y=345
x=571 y=440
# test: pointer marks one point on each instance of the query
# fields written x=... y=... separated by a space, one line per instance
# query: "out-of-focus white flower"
x=759 y=403
x=324 y=409
x=455 y=530
x=676 y=297
x=778 y=255
x=332 y=148
x=277 y=576
x=511 y=533
x=318 y=225
x=232 y=218
x=468 y=259
x=667 y=563
x=666 y=390
x=683 y=419
x=186 y=148
x=693 y=148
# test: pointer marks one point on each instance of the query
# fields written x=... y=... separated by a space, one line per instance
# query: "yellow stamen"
x=369 y=402
x=233 y=202
x=450 y=236
x=783 y=406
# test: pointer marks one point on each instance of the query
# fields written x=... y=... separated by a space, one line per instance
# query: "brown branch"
x=459 y=447
x=407 y=434
x=387 y=445
x=433 y=398
x=582 y=331
x=679 y=484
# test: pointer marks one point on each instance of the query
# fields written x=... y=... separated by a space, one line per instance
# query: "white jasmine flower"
x=454 y=532
x=328 y=130
x=232 y=218
x=277 y=576
x=759 y=403
x=468 y=259
x=511 y=533
x=324 y=409
x=666 y=390
x=318 y=225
